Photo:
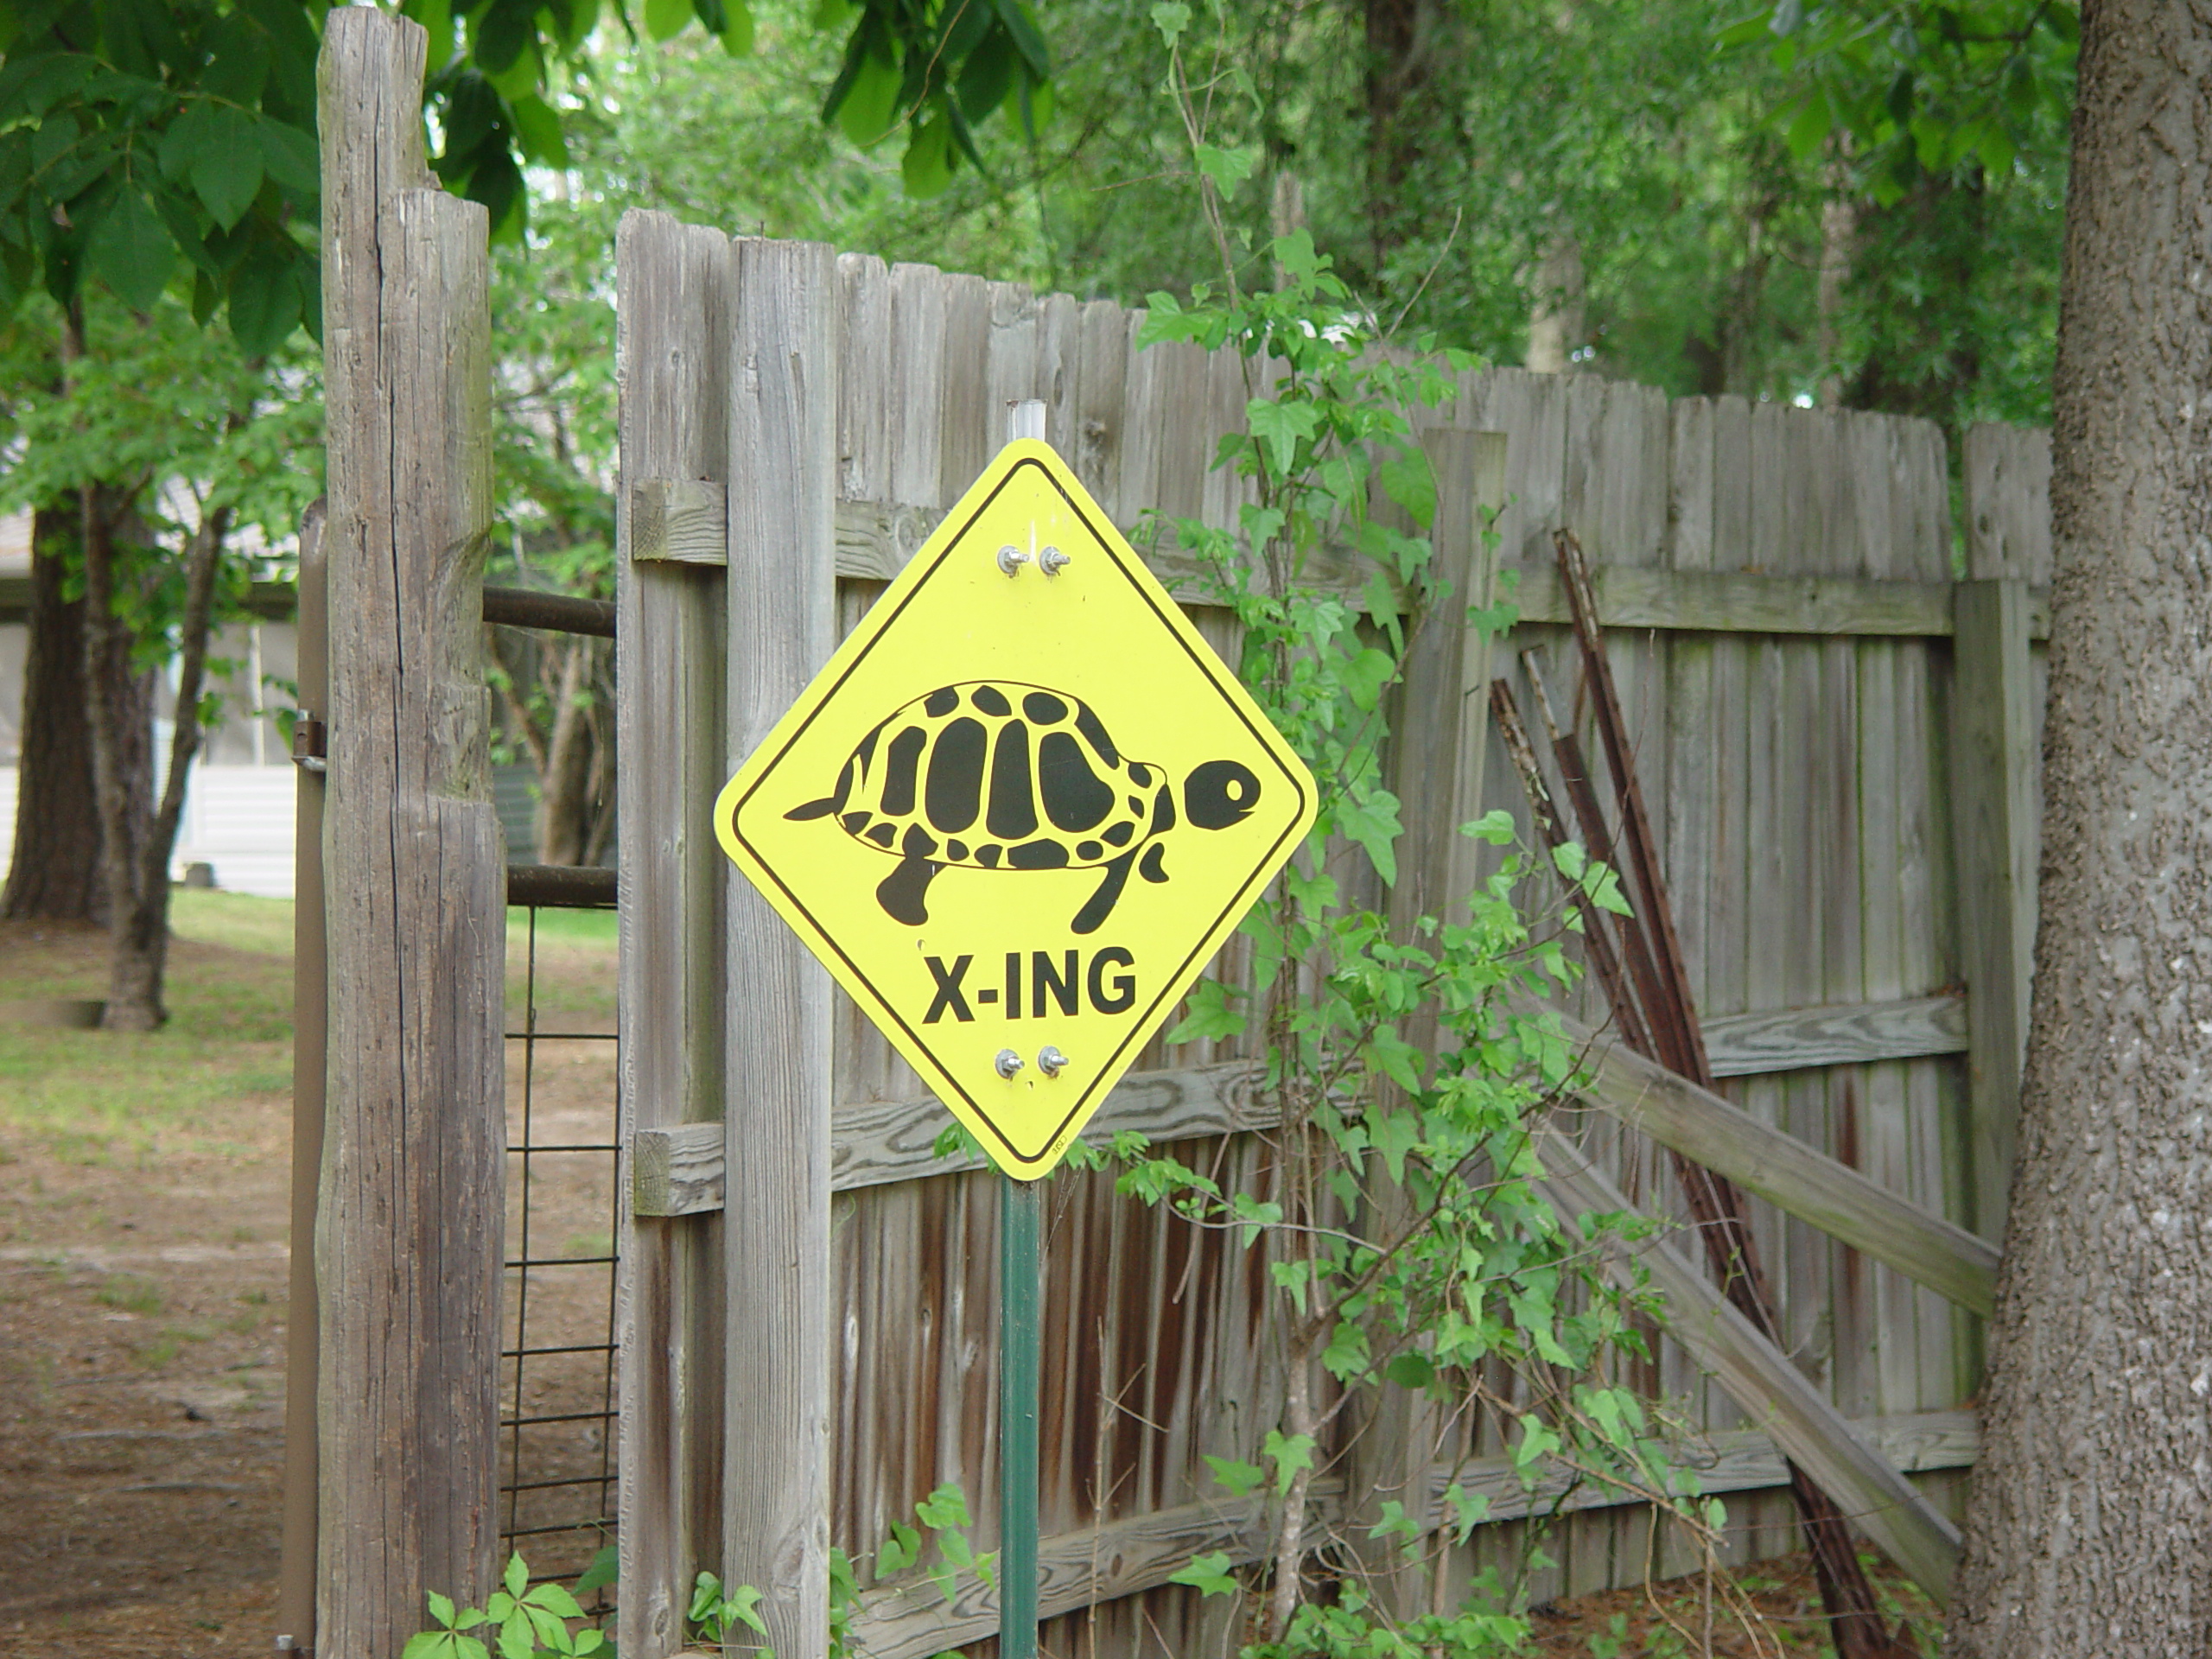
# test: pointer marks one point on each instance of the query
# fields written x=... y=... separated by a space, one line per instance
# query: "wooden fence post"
x=1995 y=781
x=1438 y=739
x=412 y=1219
x=295 y=1572
x=783 y=467
x=672 y=284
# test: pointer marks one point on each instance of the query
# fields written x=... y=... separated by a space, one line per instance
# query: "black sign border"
x=1207 y=666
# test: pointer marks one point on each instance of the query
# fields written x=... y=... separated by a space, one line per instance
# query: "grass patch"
x=235 y=920
x=110 y=1098
x=129 y=1293
x=589 y=927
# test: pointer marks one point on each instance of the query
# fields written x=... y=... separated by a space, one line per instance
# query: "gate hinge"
x=309 y=739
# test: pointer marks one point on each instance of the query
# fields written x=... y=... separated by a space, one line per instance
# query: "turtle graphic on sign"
x=1019 y=809
x=994 y=776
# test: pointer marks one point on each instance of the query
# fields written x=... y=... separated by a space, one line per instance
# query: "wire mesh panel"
x=557 y=1417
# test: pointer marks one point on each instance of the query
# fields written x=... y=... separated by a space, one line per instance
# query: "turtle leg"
x=903 y=892
x=1101 y=903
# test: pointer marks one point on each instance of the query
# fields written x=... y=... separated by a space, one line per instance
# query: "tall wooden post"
x=672 y=283
x=295 y=1572
x=1439 y=737
x=412 y=1217
x=783 y=462
x=1994 y=794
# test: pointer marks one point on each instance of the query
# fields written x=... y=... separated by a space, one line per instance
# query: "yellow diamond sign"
x=1020 y=810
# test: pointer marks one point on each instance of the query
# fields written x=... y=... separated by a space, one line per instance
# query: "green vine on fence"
x=1402 y=1213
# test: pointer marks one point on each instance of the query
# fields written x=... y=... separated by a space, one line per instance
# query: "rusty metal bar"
x=527 y=608
x=561 y=887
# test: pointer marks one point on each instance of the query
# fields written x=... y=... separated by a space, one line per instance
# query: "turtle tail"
x=828 y=803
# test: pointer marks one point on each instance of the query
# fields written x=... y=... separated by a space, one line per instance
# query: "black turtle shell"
x=994 y=774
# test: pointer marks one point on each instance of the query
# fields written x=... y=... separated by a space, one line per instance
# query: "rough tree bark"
x=136 y=845
x=55 y=872
x=2089 y=1521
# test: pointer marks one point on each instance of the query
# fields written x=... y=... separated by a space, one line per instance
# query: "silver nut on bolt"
x=1050 y=1060
x=1007 y=1063
x=1052 y=561
x=1011 y=559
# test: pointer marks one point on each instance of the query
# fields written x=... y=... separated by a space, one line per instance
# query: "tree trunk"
x=1555 y=312
x=121 y=743
x=1411 y=108
x=55 y=875
x=566 y=803
x=1838 y=231
x=2089 y=1521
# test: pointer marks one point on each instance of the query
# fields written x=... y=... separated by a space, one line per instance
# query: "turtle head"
x=1220 y=793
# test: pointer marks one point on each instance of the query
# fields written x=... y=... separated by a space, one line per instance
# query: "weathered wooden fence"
x=1836 y=724
x=1839 y=729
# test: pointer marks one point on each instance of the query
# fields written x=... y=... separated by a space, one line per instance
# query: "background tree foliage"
x=1853 y=202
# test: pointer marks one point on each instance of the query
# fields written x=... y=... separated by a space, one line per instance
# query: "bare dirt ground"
x=143 y=1221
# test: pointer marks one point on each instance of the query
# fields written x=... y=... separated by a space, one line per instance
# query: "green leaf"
x=601 y=1572
x=265 y=303
x=442 y=1609
x=1171 y=18
x=1290 y=1453
x=288 y=156
x=239 y=68
x=1536 y=1443
x=554 y=1601
x=736 y=32
x=870 y=108
x=1365 y=673
x=946 y=1507
x=898 y=1552
x=926 y=168
x=1226 y=168
x=227 y=166
x=1495 y=826
x=430 y=1644
x=1411 y=1370
x=538 y=128
x=131 y=249
x=1280 y=427
x=515 y=1578
x=1408 y=480
x=1239 y=1478
x=436 y=19
x=1469 y=1509
x=1209 y=1574
x=743 y=1605
x=988 y=75
x=1395 y=1522
x=667 y=19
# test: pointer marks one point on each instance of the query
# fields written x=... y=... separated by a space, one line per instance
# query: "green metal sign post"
x=1021 y=1211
